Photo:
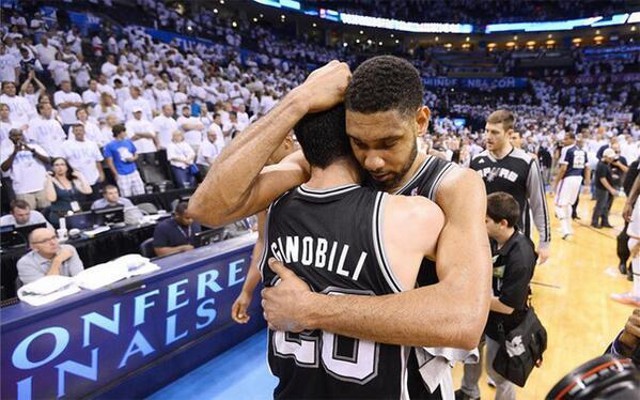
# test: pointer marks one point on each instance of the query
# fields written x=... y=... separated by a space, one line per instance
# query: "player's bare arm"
x=235 y=187
x=415 y=317
x=243 y=301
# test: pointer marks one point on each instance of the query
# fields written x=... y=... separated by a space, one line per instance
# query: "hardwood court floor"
x=571 y=298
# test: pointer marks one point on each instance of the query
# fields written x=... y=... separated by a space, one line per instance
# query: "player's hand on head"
x=240 y=307
x=326 y=86
x=283 y=303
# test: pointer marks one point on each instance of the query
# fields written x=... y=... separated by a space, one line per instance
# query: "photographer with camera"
x=26 y=167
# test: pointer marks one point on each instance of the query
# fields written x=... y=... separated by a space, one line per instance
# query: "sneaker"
x=460 y=395
x=491 y=382
x=596 y=226
x=607 y=225
x=622 y=267
x=576 y=217
x=626 y=298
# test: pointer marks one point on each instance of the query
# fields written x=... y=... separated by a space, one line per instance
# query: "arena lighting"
x=491 y=45
x=511 y=44
x=379 y=43
x=420 y=27
x=598 y=38
x=397 y=41
x=577 y=40
x=468 y=38
x=466 y=45
x=314 y=24
x=391 y=35
x=617 y=19
x=550 y=42
x=437 y=38
x=531 y=43
x=234 y=24
x=215 y=10
x=542 y=26
x=357 y=40
x=549 y=36
x=633 y=18
x=633 y=29
x=448 y=45
x=255 y=19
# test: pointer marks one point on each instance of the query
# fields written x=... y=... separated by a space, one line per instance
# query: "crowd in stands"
x=109 y=105
x=472 y=12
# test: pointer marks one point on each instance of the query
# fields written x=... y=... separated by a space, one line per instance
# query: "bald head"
x=44 y=242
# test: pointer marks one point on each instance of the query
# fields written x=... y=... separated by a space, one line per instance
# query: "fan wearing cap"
x=142 y=133
x=605 y=191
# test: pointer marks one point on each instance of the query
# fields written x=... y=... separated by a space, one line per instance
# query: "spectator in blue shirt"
x=121 y=157
x=175 y=234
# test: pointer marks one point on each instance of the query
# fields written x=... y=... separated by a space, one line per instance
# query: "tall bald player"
x=507 y=169
x=342 y=238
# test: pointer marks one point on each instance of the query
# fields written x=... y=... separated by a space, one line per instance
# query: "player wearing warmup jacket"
x=574 y=166
x=360 y=253
x=507 y=169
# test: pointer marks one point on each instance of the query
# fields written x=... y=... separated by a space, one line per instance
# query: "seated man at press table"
x=22 y=215
x=48 y=257
x=175 y=234
x=111 y=198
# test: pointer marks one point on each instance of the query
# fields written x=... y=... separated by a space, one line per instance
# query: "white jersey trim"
x=378 y=244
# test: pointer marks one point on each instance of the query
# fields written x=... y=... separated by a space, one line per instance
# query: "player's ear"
x=423 y=114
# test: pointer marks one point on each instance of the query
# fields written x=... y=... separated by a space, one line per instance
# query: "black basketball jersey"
x=425 y=182
x=331 y=239
x=518 y=174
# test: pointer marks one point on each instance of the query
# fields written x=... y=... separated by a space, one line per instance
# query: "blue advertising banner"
x=475 y=83
x=91 y=340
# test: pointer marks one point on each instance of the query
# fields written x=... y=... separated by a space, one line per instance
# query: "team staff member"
x=574 y=166
x=507 y=169
x=384 y=116
x=111 y=198
x=515 y=260
x=175 y=234
x=604 y=190
x=48 y=257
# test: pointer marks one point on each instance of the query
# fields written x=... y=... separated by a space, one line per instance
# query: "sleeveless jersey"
x=425 y=183
x=332 y=240
x=575 y=159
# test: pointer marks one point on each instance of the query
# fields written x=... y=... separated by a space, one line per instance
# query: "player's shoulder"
x=520 y=154
x=413 y=210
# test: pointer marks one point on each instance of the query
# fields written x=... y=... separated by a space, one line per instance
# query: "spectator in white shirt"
x=46 y=131
x=6 y=124
x=26 y=167
x=21 y=110
x=67 y=103
x=59 y=70
x=28 y=89
x=109 y=68
x=233 y=127
x=136 y=101
x=84 y=155
x=141 y=132
x=164 y=125
x=9 y=65
x=91 y=96
x=104 y=86
x=92 y=131
x=108 y=107
x=45 y=51
x=192 y=128
x=207 y=152
x=181 y=156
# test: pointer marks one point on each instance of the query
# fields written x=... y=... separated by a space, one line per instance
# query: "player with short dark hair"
x=342 y=238
x=514 y=261
x=382 y=142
